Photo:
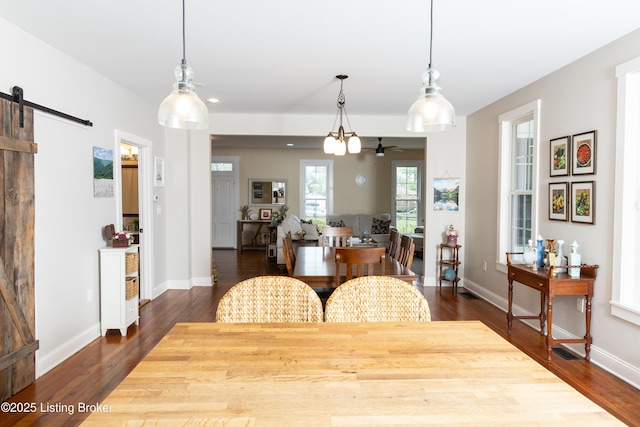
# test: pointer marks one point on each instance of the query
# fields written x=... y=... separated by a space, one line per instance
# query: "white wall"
x=69 y=219
x=578 y=98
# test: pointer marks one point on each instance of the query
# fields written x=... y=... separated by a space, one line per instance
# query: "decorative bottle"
x=540 y=250
x=574 y=259
x=529 y=256
x=561 y=260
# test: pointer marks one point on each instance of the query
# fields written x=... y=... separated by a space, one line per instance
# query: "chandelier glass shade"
x=335 y=142
x=182 y=109
x=431 y=111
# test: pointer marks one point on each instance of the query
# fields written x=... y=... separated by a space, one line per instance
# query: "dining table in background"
x=316 y=266
x=342 y=374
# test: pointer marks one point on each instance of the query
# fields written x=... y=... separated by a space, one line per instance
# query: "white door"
x=224 y=175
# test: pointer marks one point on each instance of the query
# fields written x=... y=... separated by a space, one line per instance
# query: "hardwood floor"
x=88 y=376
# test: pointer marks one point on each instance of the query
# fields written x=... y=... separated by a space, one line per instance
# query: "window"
x=222 y=167
x=517 y=216
x=407 y=195
x=626 y=223
x=316 y=193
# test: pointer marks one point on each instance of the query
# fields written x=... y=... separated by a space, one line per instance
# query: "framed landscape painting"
x=559 y=156
x=558 y=201
x=583 y=202
x=583 y=157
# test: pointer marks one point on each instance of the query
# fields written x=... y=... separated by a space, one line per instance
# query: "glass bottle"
x=561 y=260
x=540 y=250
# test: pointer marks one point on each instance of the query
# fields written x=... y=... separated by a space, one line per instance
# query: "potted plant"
x=452 y=235
x=245 y=210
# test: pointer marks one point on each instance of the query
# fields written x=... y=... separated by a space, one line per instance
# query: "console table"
x=550 y=284
x=255 y=243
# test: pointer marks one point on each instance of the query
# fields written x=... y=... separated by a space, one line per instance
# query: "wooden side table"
x=255 y=240
x=449 y=258
x=550 y=284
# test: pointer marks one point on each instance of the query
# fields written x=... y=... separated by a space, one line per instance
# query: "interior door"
x=17 y=252
x=225 y=207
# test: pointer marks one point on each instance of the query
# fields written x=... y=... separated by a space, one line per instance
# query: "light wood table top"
x=343 y=374
x=316 y=266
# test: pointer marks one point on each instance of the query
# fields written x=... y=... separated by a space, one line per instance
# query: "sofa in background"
x=292 y=224
x=377 y=225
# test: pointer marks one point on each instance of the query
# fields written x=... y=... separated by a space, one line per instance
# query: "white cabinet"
x=119 y=288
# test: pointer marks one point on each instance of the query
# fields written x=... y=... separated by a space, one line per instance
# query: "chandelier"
x=335 y=143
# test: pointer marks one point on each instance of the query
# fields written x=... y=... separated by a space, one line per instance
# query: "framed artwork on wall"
x=583 y=202
x=559 y=156
x=583 y=153
x=265 y=214
x=158 y=171
x=558 y=201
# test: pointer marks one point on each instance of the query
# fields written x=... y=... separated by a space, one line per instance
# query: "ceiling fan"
x=380 y=149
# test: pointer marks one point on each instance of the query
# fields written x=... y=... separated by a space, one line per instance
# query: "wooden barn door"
x=17 y=307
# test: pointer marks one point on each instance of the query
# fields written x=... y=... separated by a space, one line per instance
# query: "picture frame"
x=583 y=153
x=158 y=171
x=558 y=198
x=583 y=202
x=265 y=214
x=446 y=194
x=559 y=156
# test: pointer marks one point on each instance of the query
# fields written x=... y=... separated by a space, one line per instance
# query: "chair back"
x=289 y=253
x=377 y=299
x=394 y=242
x=362 y=258
x=339 y=237
x=270 y=299
x=405 y=251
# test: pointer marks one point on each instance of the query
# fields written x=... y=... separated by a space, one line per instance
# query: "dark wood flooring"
x=92 y=373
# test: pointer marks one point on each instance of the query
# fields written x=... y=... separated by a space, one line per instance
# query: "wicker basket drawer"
x=131 y=262
x=131 y=288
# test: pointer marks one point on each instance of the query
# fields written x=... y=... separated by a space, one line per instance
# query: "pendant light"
x=334 y=143
x=182 y=109
x=431 y=112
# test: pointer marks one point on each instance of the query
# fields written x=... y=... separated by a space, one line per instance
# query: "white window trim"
x=627 y=192
x=408 y=163
x=311 y=162
x=505 y=122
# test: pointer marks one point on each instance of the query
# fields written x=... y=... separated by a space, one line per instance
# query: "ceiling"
x=282 y=56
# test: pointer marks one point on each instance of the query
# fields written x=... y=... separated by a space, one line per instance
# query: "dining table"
x=440 y=373
x=316 y=266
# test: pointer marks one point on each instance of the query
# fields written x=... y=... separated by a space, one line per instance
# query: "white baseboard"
x=46 y=362
x=599 y=357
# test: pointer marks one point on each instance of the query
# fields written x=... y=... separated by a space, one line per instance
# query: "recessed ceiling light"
x=289 y=144
x=213 y=100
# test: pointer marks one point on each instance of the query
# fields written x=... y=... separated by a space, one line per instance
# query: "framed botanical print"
x=559 y=156
x=583 y=153
x=583 y=202
x=558 y=206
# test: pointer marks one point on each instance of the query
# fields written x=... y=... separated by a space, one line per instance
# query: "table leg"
x=510 y=312
x=549 y=337
x=543 y=312
x=587 y=337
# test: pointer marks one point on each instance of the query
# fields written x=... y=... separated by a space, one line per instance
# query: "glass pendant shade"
x=182 y=109
x=431 y=111
x=354 y=144
x=341 y=148
x=329 y=145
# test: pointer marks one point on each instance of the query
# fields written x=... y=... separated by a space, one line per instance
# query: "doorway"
x=224 y=200
x=134 y=206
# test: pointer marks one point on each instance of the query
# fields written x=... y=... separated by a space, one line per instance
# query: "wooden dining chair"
x=376 y=299
x=289 y=253
x=394 y=242
x=405 y=251
x=362 y=258
x=339 y=237
x=270 y=299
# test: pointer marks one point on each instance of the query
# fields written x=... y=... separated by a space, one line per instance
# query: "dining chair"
x=405 y=251
x=267 y=299
x=376 y=299
x=362 y=258
x=289 y=253
x=339 y=237
x=394 y=241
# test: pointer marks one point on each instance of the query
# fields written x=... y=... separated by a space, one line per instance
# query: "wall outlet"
x=581 y=303
x=484 y=265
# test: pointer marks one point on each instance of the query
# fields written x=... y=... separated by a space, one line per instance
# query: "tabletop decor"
x=452 y=235
x=245 y=211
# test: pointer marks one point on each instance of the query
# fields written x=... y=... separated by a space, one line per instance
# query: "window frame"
x=506 y=123
x=322 y=163
x=625 y=273
x=419 y=165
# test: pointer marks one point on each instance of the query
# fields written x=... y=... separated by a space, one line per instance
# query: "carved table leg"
x=549 y=338
x=510 y=312
x=587 y=337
